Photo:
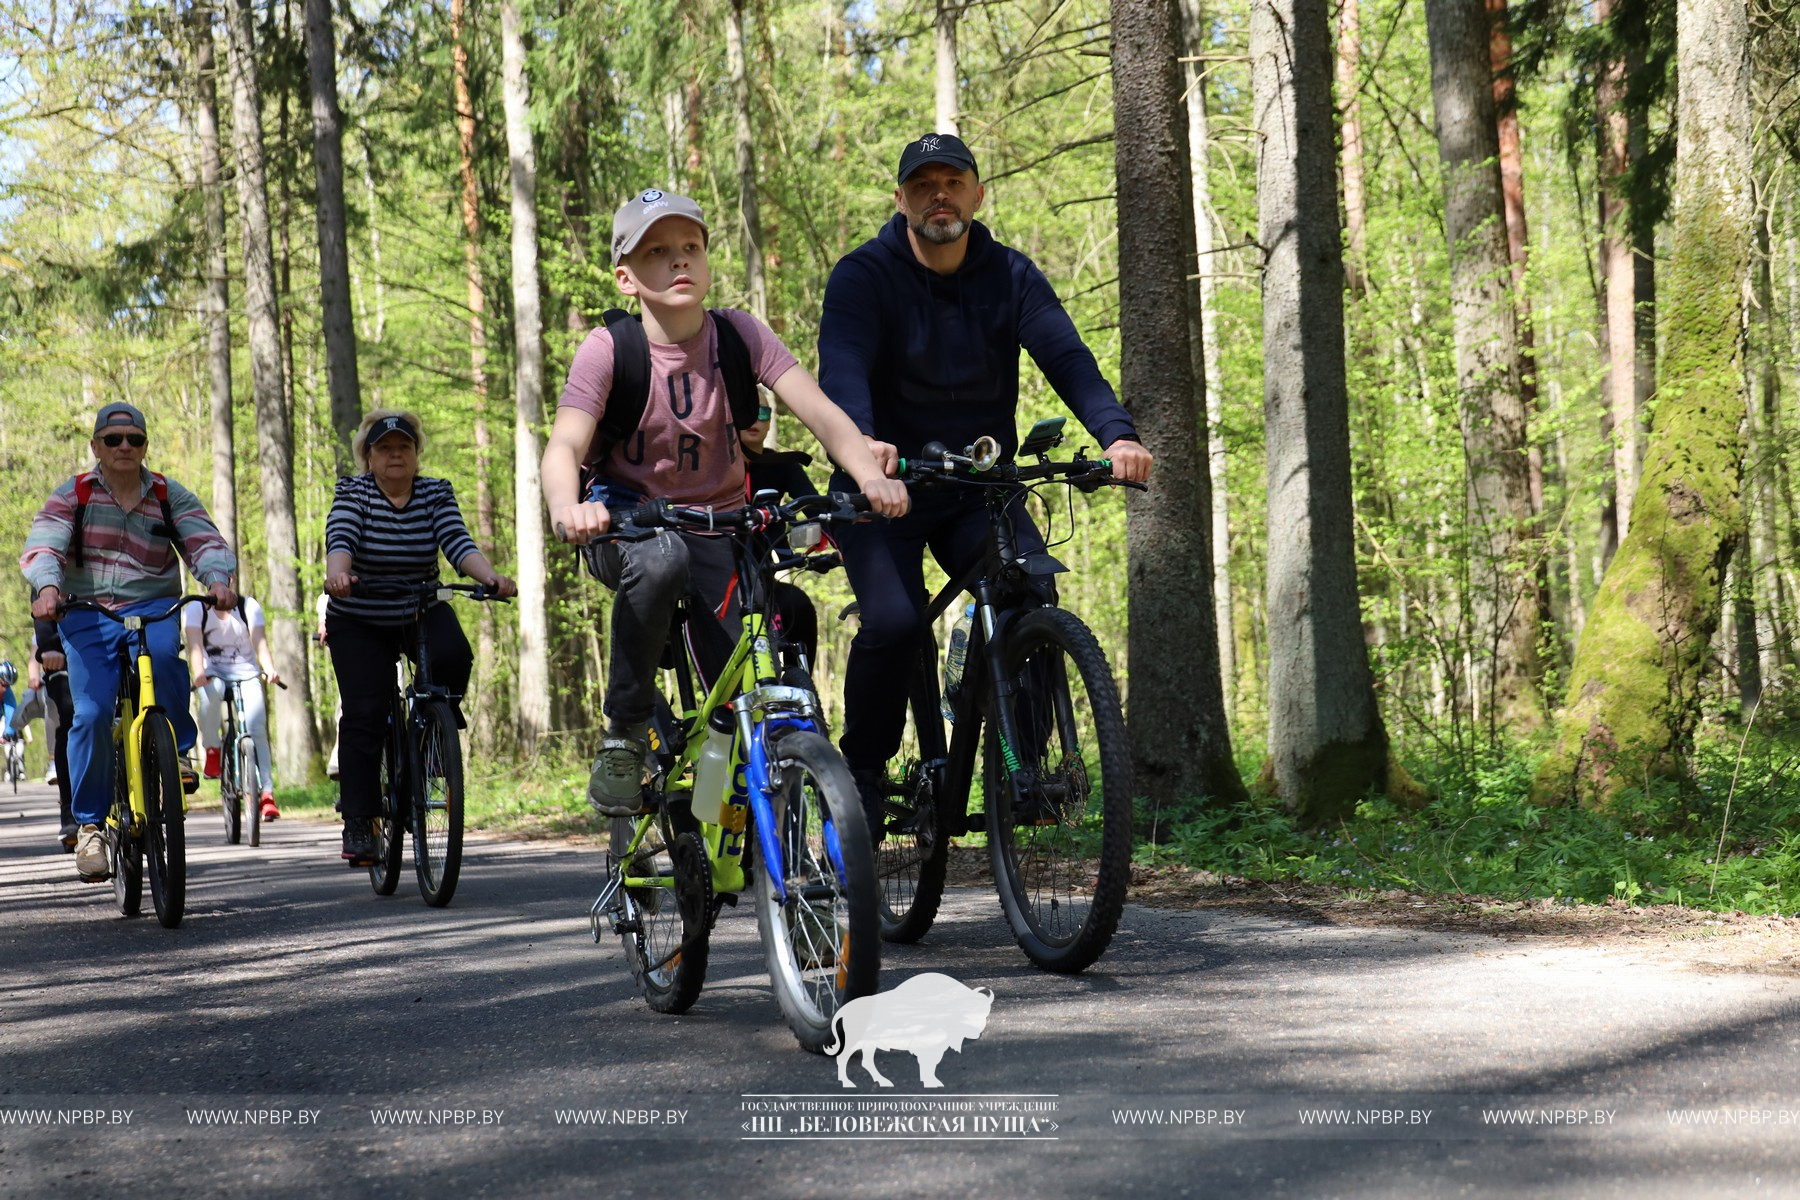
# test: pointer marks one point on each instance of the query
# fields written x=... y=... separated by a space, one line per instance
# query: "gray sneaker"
x=616 y=785
x=92 y=857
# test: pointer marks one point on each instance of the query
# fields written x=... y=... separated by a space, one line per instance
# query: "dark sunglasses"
x=135 y=440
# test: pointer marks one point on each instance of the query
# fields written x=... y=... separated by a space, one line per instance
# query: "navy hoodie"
x=914 y=357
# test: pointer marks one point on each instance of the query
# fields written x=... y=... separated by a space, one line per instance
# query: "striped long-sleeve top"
x=125 y=559
x=393 y=543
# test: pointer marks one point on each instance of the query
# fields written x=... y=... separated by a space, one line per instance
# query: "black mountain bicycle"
x=421 y=760
x=1056 y=765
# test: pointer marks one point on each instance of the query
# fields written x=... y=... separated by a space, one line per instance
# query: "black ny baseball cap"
x=387 y=425
x=944 y=148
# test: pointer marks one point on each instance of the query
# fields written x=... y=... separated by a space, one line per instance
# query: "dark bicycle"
x=421 y=778
x=1056 y=767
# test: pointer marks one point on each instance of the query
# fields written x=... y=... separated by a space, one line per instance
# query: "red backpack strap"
x=84 y=488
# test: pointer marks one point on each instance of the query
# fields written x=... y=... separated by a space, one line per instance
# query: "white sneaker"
x=92 y=855
x=50 y=777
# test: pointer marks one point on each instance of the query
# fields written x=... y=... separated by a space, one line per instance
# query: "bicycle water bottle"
x=953 y=662
x=713 y=774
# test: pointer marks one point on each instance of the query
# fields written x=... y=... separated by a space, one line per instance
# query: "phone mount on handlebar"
x=1044 y=437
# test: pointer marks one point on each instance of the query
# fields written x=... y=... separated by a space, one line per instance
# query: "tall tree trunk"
x=1327 y=743
x=749 y=210
x=1635 y=689
x=528 y=383
x=218 y=274
x=1349 y=82
x=948 y=75
x=1618 y=278
x=284 y=226
x=693 y=93
x=1504 y=591
x=1767 y=454
x=296 y=746
x=1193 y=22
x=334 y=247
x=1181 y=745
x=485 y=725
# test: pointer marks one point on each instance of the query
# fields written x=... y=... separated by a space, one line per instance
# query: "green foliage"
x=1485 y=837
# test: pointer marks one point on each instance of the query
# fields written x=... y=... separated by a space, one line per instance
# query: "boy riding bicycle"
x=684 y=448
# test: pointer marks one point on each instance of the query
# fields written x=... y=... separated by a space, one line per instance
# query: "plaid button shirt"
x=123 y=561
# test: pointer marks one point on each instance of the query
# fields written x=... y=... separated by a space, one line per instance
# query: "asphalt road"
x=1208 y=1054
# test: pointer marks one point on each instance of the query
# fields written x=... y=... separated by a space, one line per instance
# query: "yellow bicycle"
x=148 y=818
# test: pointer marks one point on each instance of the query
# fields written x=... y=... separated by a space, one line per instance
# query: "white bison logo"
x=925 y=1016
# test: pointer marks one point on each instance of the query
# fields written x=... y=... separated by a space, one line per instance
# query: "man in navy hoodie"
x=919 y=341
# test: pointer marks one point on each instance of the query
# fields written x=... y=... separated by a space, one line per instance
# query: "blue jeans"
x=94 y=643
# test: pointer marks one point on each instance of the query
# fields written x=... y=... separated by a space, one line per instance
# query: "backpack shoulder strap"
x=160 y=485
x=630 y=393
x=84 y=489
x=738 y=373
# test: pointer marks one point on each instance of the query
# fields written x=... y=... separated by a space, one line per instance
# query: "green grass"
x=504 y=799
x=1484 y=837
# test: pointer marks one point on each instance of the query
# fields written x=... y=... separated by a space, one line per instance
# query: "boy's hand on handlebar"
x=339 y=585
x=887 y=496
x=200 y=680
x=579 y=524
x=45 y=606
x=886 y=456
x=1130 y=461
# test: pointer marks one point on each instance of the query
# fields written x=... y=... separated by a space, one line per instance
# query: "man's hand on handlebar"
x=579 y=524
x=887 y=457
x=224 y=599
x=1131 y=463
x=44 y=608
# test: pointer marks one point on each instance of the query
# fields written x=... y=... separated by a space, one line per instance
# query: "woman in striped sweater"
x=389 y=522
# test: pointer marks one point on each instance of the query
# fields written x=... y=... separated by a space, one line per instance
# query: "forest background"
x=1497 y=415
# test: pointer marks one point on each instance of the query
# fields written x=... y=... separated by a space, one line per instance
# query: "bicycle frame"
x=762 y=706
x=128 y=725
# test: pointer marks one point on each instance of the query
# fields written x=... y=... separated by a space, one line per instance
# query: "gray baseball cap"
x=120 y=415
x=638 y=214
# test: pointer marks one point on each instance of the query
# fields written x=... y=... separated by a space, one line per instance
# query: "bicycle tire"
x=165 y=832
x=125 y=850
x=1063 y=871
x=667 y=926
x=390 y=830
x=823 y=946
x=912 y=857
x=437 y=796
x=248 y=794
x=231 y=799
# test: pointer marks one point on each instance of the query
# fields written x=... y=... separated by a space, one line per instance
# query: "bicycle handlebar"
x=83 y=604
x=936 y=464
x=641 y=523
x=390 y=587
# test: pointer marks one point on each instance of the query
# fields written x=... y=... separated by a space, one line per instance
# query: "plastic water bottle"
x=712 y=778
x=953 y=662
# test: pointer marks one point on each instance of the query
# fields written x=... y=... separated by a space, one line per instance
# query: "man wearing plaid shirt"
x=129 y=561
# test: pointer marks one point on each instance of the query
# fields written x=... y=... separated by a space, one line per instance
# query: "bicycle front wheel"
x=911 y=858
x=247 y=792
x=667 y=912
x=1059 y=803
x=231 y=798
x=165 y=830
x=823 y=942
x=390 y=830
x=438 y=806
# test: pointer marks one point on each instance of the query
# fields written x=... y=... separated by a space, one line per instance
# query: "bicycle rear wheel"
x=1059 y=822
x=823 y=944
x=247 y=791
x=390 y=830
x=126 y=850
x=438 y=805
x=165 y=831
x=911 y=859
x=666 y=923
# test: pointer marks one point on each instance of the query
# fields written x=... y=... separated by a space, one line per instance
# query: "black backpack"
x=630 y=393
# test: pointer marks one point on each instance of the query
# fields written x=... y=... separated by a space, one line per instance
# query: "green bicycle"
x=745 y=788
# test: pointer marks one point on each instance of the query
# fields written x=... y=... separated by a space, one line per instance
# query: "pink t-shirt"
x=685 y=449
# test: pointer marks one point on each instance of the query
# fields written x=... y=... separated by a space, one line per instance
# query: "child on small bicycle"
x=684 y=448
x=224 y=648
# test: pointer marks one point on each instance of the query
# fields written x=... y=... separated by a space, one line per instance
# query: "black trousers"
x=886 y=565
x=363 y=655
x=56 y=685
